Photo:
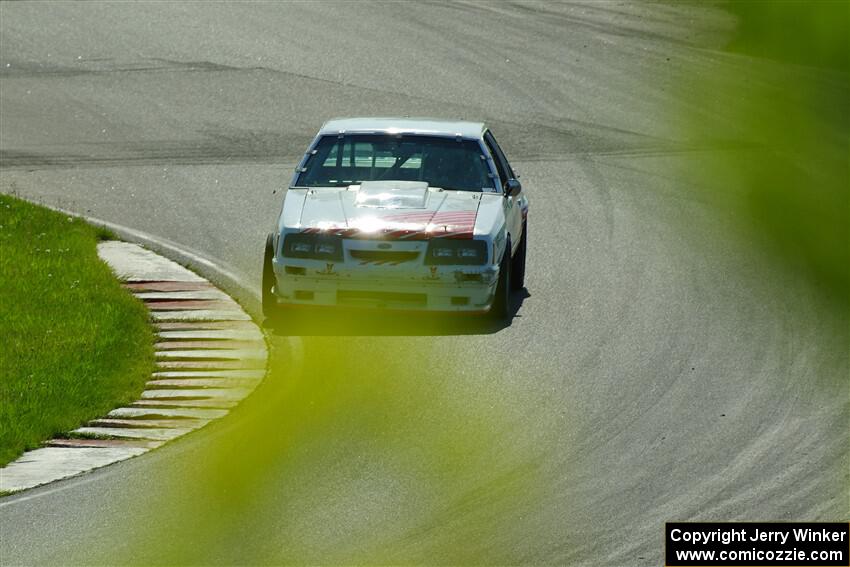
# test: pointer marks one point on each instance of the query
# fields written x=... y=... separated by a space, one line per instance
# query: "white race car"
x=399 y=213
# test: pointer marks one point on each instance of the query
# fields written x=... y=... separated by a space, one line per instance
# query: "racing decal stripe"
x=454 y=231
x=447 y=232
x=427 y=214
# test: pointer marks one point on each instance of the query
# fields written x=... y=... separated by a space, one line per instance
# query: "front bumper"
x=419 y=288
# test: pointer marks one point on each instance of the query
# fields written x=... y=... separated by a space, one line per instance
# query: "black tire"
x=518 y=264
x=501 y=308
x=270 y=308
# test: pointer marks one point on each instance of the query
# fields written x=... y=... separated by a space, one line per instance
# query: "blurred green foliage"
x=812 y=33
x=787 y=98
x=348 y=454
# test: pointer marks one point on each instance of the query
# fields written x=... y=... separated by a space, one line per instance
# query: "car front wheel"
x=502 y=301
x=270 y=308
x=518 y=275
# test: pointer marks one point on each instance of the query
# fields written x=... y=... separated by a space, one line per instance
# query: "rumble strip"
x=210 y=356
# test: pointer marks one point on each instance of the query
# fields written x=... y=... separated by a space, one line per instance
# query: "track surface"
x=658 y=370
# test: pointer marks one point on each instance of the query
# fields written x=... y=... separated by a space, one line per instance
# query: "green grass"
x=73 y=343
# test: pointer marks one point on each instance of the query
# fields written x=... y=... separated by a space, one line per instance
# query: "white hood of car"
x=392 y=194
x=389 y=209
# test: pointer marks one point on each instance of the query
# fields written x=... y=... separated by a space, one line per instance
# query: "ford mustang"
x=399 y=213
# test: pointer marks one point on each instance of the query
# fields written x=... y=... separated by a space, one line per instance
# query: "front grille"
x=384 y=256
x=373 y=297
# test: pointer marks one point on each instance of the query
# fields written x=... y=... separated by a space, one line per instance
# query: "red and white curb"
x=210 y=356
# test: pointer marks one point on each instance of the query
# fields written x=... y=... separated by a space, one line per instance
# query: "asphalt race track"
x=658 y=368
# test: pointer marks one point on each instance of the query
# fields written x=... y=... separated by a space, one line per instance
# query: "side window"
x=501 y=154
x=502 y=165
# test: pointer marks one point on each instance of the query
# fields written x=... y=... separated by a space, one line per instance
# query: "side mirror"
x=513 y=188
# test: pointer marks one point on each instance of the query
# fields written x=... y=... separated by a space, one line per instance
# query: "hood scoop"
x=392 y=194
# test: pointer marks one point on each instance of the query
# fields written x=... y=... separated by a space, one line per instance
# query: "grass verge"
x=73 y=343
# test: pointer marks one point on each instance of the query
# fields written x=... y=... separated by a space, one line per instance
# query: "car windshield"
x=441 y=162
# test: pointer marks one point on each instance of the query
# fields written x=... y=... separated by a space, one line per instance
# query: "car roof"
x=429 y=126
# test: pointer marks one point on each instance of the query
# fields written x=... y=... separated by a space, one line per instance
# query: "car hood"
x=390 y=209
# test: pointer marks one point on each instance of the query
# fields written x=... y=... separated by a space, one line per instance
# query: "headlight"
x=301 y=247
x=464 y=252
x=326 y=248
x=313 y=246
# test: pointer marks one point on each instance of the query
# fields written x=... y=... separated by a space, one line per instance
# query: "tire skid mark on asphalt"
x=209 y=357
